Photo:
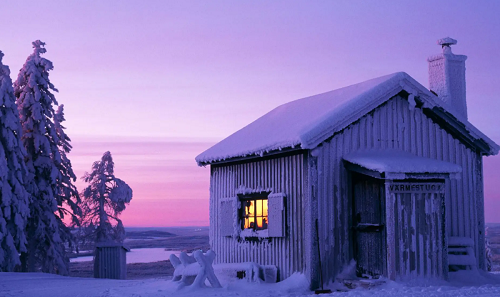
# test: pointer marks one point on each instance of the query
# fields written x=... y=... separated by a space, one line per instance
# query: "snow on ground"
x=39 y=284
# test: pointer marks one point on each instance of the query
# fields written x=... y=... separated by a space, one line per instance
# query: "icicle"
x=411 y=101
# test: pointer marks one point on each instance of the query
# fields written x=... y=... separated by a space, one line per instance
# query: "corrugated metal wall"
x=110 y=262
x=283 y=174
x=394 y=125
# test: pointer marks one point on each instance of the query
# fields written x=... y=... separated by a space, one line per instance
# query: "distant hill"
x=150 y=234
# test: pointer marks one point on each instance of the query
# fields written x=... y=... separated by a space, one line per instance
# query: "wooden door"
x=369 y=244
x=417 y=222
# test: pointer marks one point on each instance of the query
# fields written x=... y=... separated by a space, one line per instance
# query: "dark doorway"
x=368 y=215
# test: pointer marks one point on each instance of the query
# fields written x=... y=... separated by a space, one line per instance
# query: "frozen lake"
x=145 y=255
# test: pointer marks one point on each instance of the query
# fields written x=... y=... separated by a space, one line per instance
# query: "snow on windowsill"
x=249 y=233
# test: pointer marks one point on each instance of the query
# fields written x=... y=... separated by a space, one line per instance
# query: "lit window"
x=254 y=212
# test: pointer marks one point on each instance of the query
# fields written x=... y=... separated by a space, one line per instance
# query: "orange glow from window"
x=255 y=216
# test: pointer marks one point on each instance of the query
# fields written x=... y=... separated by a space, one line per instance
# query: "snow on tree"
x=104 y=199
x=67 y=196
x=49 y=171
x=14 y=208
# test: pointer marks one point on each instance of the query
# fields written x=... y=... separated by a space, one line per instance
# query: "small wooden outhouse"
x=388 y=169
x=110 y=260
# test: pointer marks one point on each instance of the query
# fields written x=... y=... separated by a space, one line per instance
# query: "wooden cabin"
x=388 y=169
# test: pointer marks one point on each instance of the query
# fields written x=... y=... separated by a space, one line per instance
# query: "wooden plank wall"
x=110 y=262
x=283 y=174
x=418 y=223
x=394 y=125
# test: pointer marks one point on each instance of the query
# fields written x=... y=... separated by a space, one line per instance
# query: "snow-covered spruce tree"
x=14 y=208
x=104 y=199
x=67 y=196
x=49 y=172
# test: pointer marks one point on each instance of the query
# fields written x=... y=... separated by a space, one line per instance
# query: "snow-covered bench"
x=250 y=271
x=187 y=269
x=461 y=254
x=195 y=269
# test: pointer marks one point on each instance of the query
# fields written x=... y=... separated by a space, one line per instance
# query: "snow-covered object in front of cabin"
x=250 y=271
x=205 y=261
x=14 y=203
x=390 y=161
x=35 y=100
x=307 y=122
x=197 y=266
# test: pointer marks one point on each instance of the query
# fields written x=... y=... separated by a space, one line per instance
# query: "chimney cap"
x=447 y=41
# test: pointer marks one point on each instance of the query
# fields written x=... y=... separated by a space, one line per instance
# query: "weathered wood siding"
x=393 y=125
x=282 y=175
x=416 y=240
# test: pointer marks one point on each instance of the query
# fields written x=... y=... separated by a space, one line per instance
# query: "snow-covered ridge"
x=307 y=122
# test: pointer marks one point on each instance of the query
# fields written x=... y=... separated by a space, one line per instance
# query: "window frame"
x=242 y=212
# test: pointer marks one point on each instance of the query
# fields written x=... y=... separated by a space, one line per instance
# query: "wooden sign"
x=415 y=187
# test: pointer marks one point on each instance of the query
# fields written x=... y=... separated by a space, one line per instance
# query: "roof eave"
x=475 y=139
x=242 y=159
x=472 y=137
x=389 y=175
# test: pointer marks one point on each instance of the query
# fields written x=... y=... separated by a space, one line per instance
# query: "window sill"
x=251 y=234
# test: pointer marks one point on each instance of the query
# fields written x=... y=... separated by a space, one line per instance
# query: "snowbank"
x=463 y=283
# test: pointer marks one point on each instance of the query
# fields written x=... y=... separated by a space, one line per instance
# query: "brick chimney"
x=447 y=77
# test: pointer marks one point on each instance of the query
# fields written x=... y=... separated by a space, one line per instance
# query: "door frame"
x=353 y=232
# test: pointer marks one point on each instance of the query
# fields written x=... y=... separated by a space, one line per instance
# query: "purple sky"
x=169 y=78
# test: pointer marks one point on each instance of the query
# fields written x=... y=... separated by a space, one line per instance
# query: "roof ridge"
x=311 y=120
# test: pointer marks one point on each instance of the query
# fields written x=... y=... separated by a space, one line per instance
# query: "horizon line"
x=122 y=138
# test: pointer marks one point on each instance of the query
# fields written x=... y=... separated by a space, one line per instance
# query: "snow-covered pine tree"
x=14 y=208
x=105 y=198
x=48 y=173
x=67 y=196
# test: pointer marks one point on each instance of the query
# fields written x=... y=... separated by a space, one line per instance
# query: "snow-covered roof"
x=392 y=162
x=307 y=122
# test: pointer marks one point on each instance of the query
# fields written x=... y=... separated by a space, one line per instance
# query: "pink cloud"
x=169 y=188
